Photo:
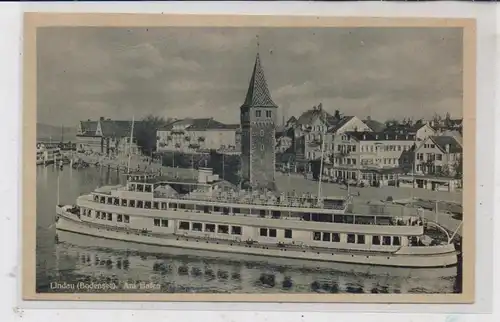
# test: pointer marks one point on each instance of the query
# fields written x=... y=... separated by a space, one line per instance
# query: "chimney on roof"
x=101 y=118
x=387 y=136
x=396 y=137
x=320 y=106
x=364 y=136
x=314 y=108
x=368 y=118
x=447 y=148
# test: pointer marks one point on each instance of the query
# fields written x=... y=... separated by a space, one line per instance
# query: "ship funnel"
x=205 y=175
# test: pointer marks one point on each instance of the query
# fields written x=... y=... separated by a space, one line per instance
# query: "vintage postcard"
x=240 y=158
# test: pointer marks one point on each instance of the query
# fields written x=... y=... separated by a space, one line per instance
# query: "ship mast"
x=323 y=139
x=130 y=145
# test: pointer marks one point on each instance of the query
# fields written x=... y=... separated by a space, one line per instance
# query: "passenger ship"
x=213 y=215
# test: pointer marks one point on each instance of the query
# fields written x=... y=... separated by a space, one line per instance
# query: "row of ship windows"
x=206 y=209
x=271 y=232
x=263 y=232
x=357 y=239
x=345 y=219
x=106 y=216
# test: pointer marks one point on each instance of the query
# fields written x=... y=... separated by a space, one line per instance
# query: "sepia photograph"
x=248 y=159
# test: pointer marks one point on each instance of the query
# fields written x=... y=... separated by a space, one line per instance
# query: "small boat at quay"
x=211 y=214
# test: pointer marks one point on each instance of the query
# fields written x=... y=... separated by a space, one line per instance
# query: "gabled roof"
x=202 y=124
x=339 y=123
x=258 y=94
x=376 y=126
x=88 y=127
x=381 y=136
x=112 y=128
x=410 y=129
x=309 y=116
x=443 y=140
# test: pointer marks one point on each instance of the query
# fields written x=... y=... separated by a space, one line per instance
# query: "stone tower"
x=258 y=141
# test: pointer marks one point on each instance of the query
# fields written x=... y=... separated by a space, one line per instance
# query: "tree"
x=445 y=171
x=145 y=132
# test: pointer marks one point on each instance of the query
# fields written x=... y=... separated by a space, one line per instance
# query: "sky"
x=119 y=73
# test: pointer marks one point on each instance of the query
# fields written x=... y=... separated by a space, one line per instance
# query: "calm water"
x=72 y=258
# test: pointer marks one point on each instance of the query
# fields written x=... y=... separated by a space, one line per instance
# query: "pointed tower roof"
x=258 y=94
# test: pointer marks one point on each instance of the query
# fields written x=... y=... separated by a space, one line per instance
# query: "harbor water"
x=64 y=257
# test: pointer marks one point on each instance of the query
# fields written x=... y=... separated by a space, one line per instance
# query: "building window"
x=288 y=233
x=336 y=237
x=197 y=226
x=386 y=240
x=119 y=218
x=396 y=241
x=316 y=235
x=258 y=113
x=184 y=225
x=361 y=239
x=126 y=219
x=140 y=204
x=351 y=238
x=124 y=202
x=110 y=217
x=236 y=230
x=157 y=222
x=223 y=229
x=155 y=205
x=272 y=233
x=376 y=240
x=439 y=157
x=261 y=132
x=164 y=222
x=268 y=114
x=132 y=203
x=98 y=215
x=210 y=228
x=263 y=232
x=326 y=237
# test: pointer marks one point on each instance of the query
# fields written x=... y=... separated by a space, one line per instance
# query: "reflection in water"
x=73 y=258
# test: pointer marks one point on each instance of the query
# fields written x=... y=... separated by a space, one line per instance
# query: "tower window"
x=262 y=147
x=268 y=114
x=258 y=113
x=261 y=132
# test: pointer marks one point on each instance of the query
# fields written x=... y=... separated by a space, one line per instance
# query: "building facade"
x=198 y=135
x=371 y=157
x=316 y=125
x=438 y=156
x=258 y=116
x=106 y=136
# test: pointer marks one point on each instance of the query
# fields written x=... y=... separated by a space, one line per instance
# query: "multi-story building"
x=316 y=125
x=258 y=132
x=439 y=156
x=106 y=136
x=435 y=164
x=194 y=135
x=369 y=156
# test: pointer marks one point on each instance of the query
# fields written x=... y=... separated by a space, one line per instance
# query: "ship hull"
x=72 y=223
